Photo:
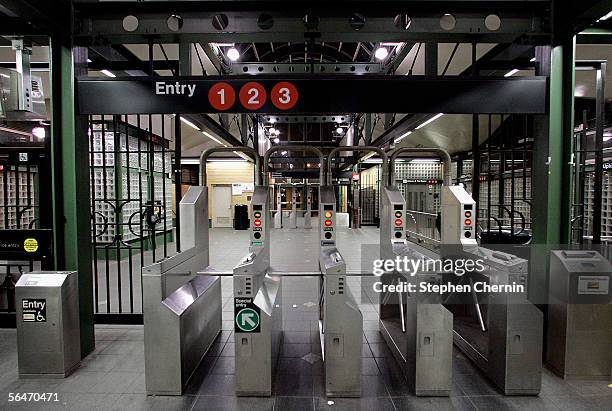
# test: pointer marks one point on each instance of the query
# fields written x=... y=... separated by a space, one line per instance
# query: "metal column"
x=70 y=177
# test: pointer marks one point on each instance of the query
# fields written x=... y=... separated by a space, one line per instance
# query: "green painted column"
x=551 y=169
x=70 y=175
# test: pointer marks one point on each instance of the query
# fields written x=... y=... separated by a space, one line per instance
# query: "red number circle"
x=221 y=96
x=284 y=95
x=253 y=95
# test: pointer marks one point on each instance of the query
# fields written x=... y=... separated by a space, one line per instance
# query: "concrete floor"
x=112 y=377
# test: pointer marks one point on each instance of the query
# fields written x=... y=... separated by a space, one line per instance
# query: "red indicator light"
x=468 y=214
x=328 y=223
x=467 y=221
x=257 y=223
x=398 y=222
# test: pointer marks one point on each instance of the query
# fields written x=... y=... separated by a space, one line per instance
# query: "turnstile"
x=258 y=324
x=501 y=332
x=341 y=321
x=579 y=314
x=182 y=311
x=415 y=326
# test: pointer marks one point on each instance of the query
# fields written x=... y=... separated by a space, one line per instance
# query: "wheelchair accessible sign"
x=246 y=316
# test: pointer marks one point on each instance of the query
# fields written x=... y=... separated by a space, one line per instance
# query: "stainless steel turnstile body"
x=416 y=328
x=258 y=307
x=503 y=333
x=579 y=342
x=341 y=321
x=182 y=311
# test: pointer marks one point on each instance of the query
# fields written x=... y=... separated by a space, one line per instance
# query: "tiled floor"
x=112 y=378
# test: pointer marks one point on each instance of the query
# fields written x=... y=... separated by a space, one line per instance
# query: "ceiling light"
x=213 y=138
x=107 y=73
x=606 y=136
x=277 y=132
x=89 y=61
x=272 y=120
x=533 y=59
x=277 y=140
x=290 y=165
x=189 y=123
x=339 y=130
x=606 y=17
x=284 y=153
x=233 y=54
x=511 y=73
x=243 y=156
x=400 y=138
x=40 y=133
x=381 y=53
x=431 y=120
x=272 y=130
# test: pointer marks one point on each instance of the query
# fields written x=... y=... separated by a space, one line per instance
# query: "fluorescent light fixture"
x=89 y=61
x=107 y=73
x=606 y=17
x=190 y=124
x=431 y=120
x=233 y=54
x=606 y=136
x=511 y=73
x=284 y=153
x=40 y=133
x=213 y=138
x=381 y=53
x=400 y=138
x=364 y=158
x=533 y=59
x=391 y=43
x=223 y=44
x=226 y=160
x=5 y=75
x=243 y=156
x=277 y=140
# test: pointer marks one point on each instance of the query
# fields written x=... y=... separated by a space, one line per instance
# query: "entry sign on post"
x=253 y=96
x=247 y=316
x=221 y=96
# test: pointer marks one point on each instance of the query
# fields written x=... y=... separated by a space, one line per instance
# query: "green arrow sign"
x=247 y=320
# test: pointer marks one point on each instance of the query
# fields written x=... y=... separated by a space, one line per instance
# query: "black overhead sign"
x=358 y=94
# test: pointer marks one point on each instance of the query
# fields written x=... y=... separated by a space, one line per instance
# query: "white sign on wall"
x=239 y=188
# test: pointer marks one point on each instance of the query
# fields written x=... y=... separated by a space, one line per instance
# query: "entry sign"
x=247 y=316
x=284 y=95
x=253 y=96
x=222 y=96
x=34 y=310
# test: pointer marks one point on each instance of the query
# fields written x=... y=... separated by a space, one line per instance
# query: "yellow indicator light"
x=328 y=214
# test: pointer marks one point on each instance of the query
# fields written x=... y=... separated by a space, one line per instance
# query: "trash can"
x=48 y=330
x=241 y=217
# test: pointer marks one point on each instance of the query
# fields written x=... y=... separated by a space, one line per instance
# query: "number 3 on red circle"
x=253 y=95
x=284 y=95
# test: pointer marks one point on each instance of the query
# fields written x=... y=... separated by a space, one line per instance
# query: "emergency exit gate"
x=131 y=206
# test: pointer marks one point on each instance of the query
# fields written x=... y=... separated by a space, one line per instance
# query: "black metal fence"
x=131 y=205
